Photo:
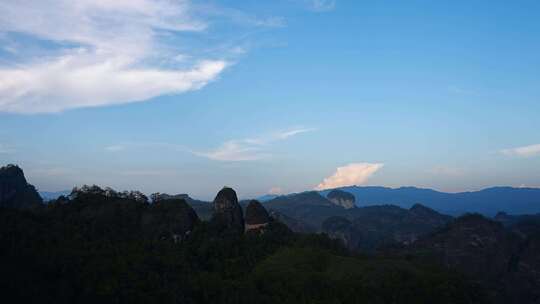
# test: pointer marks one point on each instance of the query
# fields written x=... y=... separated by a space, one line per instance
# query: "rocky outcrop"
x=342 y=198
x=256 y=216
x=340 y=228
x=15 y=192
x=227 y=211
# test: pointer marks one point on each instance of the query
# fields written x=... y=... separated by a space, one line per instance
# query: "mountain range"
x=488 y=201
x=100 y=245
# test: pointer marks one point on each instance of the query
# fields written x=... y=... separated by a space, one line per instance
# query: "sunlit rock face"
x=256 y=216
x=227 y=211
x=342 y=198
x=15 y=192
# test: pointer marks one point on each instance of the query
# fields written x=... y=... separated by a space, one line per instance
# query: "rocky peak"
x=342 y=198
x=256 y=216
x=15 y=192
x=227 y=211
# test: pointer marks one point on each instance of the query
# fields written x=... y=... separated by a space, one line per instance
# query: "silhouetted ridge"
x=15 y=192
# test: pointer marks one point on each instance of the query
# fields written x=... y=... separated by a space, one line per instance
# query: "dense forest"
x=99 y=246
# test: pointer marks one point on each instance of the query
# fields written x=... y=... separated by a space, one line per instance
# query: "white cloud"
x=105 y=52
x=525 y=151
x=349 y=175
x=250 y=148
x=322 y=5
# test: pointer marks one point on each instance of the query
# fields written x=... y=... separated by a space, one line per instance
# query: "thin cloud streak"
x=524 y=151
x=249 y=149
x=322 y=5
x=124 y=146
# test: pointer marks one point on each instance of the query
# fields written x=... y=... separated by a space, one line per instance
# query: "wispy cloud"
x=106 y=52
x=115 y=148
x=238 y=16
x=525 y=151
x=349 y=175
x=250 y=148
x=322 y=5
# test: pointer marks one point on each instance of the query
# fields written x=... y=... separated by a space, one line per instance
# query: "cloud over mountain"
x=349 y=175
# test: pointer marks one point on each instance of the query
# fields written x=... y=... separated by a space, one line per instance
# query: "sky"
x=270 y=96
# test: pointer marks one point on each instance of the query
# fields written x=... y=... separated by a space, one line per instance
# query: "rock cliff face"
x=227 y=211
x=256 y=216
x=15 y=192
x=342 y=198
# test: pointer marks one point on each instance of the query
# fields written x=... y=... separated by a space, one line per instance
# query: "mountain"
x=504 y=262
x=203 y=209
x=49 y=196
x=15 y=192
x=266 y=197
x=308 y=207
x=487 y=201
x=293 y=224
x=102 y=246
x=369 y=228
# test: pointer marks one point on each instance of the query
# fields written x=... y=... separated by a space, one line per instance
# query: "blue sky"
x=273 y=96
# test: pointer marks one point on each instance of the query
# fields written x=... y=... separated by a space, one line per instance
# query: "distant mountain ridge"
x=52 y=195
x=488 y=201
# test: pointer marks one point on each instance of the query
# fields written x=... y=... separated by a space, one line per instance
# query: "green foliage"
x=105 y=250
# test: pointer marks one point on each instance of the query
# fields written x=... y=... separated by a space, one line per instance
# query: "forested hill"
x=101 y=246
